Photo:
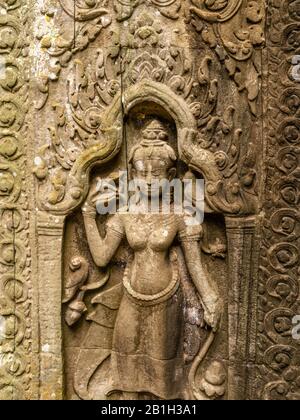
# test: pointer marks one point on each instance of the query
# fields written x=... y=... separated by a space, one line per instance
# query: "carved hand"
x=212 y=313
x=101 y=193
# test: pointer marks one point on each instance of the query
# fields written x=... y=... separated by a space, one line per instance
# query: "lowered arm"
x=204 y=285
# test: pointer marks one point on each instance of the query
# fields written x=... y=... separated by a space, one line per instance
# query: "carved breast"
x=150 y=231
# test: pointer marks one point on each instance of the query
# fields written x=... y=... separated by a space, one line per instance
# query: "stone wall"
x=80 y=83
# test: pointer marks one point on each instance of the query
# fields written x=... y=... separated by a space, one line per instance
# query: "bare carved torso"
x=150 y=237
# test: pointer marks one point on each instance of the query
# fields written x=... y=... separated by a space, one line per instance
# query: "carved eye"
x=156 y=172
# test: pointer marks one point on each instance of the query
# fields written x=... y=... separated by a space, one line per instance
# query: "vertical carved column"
x=17 y=326
x=242 y=279
x=50 y=233
x=279 y=288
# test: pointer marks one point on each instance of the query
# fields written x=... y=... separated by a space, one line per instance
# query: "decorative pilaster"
x=50 y=233
x=242 y=284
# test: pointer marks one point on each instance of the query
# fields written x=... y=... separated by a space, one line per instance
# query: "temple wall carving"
x=199 y=90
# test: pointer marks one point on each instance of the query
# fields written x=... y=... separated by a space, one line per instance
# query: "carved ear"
x=172 y=173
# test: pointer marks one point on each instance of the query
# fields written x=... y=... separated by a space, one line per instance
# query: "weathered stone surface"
x=188 y=88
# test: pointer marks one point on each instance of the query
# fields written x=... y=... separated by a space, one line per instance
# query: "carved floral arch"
x=110 y=144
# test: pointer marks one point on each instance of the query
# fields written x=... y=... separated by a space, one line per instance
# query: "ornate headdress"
x=153 y=145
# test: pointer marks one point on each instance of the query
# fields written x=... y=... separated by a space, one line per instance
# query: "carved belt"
x=149 y=300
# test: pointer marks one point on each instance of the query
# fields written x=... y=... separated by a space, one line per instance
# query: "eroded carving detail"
x=233 y=42
x=15 y=259
x=218 y=135
x=140 y=53
x=278 y=352
x=146 y=314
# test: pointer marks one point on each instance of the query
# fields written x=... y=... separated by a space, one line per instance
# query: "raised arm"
x=102 y=248
x=207 y=290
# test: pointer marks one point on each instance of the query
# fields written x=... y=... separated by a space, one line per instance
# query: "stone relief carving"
x=234 y=38
x=233 y=186
x=136 y=60
x=15 y=260
x=142 y=52
x=278 y=352
x=143 y=318
x=168 y=8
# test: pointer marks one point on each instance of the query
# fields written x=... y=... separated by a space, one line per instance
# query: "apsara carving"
x=217 y=136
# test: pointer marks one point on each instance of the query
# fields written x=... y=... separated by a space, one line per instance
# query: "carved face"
x=153 y=173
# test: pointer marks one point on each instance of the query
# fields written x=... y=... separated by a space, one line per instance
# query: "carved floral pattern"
x=15 y=288
x=168 y=8
x=234 y=38
x=140 y=52
x=233 y=32
x=279 y=285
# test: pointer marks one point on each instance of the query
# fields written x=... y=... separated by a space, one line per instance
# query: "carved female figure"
x=147 y=355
